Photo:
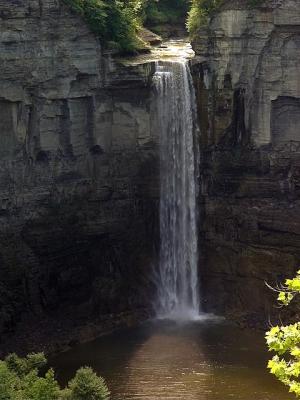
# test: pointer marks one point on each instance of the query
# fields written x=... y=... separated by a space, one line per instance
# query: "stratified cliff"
x=78 y=176
x=248 y=77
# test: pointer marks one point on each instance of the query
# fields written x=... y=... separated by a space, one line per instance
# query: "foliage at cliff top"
x=201 y=11
x=22 y=379
x=285 y=342
x=117 y=21
x=159 y=12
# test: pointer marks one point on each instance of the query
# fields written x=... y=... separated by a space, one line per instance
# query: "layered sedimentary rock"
x=248 y=78
x=78 y=171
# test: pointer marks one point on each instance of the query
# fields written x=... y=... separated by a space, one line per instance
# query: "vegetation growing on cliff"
x=117 y=22
x=22 y=379
x=285 y=342
x=202 y=10
x=165 y=11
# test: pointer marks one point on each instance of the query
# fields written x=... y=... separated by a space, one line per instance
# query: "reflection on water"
x=201 y=360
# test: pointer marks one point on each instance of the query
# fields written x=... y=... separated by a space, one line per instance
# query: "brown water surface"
x=201 y=360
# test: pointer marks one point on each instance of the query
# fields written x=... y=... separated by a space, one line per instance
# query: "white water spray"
x=178 y=291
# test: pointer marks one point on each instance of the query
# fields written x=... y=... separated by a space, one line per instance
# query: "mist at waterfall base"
x=177 y=278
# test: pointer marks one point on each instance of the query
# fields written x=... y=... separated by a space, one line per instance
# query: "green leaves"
x=285 y=298
x=285 y=342
x=289 y=290
x=21 y=379
x=117 y=21
x=283 y=339
x=165 y=11
x=36 y=388
x=113 y=20
x=88 y=386
x=293 y=284
x=22 y=366
x=200 y=12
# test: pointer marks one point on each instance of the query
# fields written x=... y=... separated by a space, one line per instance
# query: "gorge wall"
x=78 y=177
x=79 y=173
x=248 y=81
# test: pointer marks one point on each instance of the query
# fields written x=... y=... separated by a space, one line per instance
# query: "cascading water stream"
x=178 y=291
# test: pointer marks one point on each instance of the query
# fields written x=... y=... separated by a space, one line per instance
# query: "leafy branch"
x=285 y=341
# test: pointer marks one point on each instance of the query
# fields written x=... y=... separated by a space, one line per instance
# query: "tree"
x=87 y=386
x=114 y=21
x=165 y=11
x=21 y=379
x=285 y=341
x=118 y=22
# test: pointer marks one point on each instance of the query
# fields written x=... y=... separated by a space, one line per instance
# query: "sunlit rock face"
x=78 y=174
x=248 y=93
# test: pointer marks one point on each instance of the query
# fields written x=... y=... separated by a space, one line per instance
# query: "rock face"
x=78 y=171
x=248 y=80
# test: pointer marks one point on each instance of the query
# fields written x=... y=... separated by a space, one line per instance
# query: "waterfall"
x=178 y=291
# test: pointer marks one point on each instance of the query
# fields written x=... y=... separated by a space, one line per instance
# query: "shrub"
x=165 y=11
x=21 y=379
x=22 y=366
x=200 y=12
x=117 y=21
x=113 y=20
x=88 y=386
x=37 y=388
